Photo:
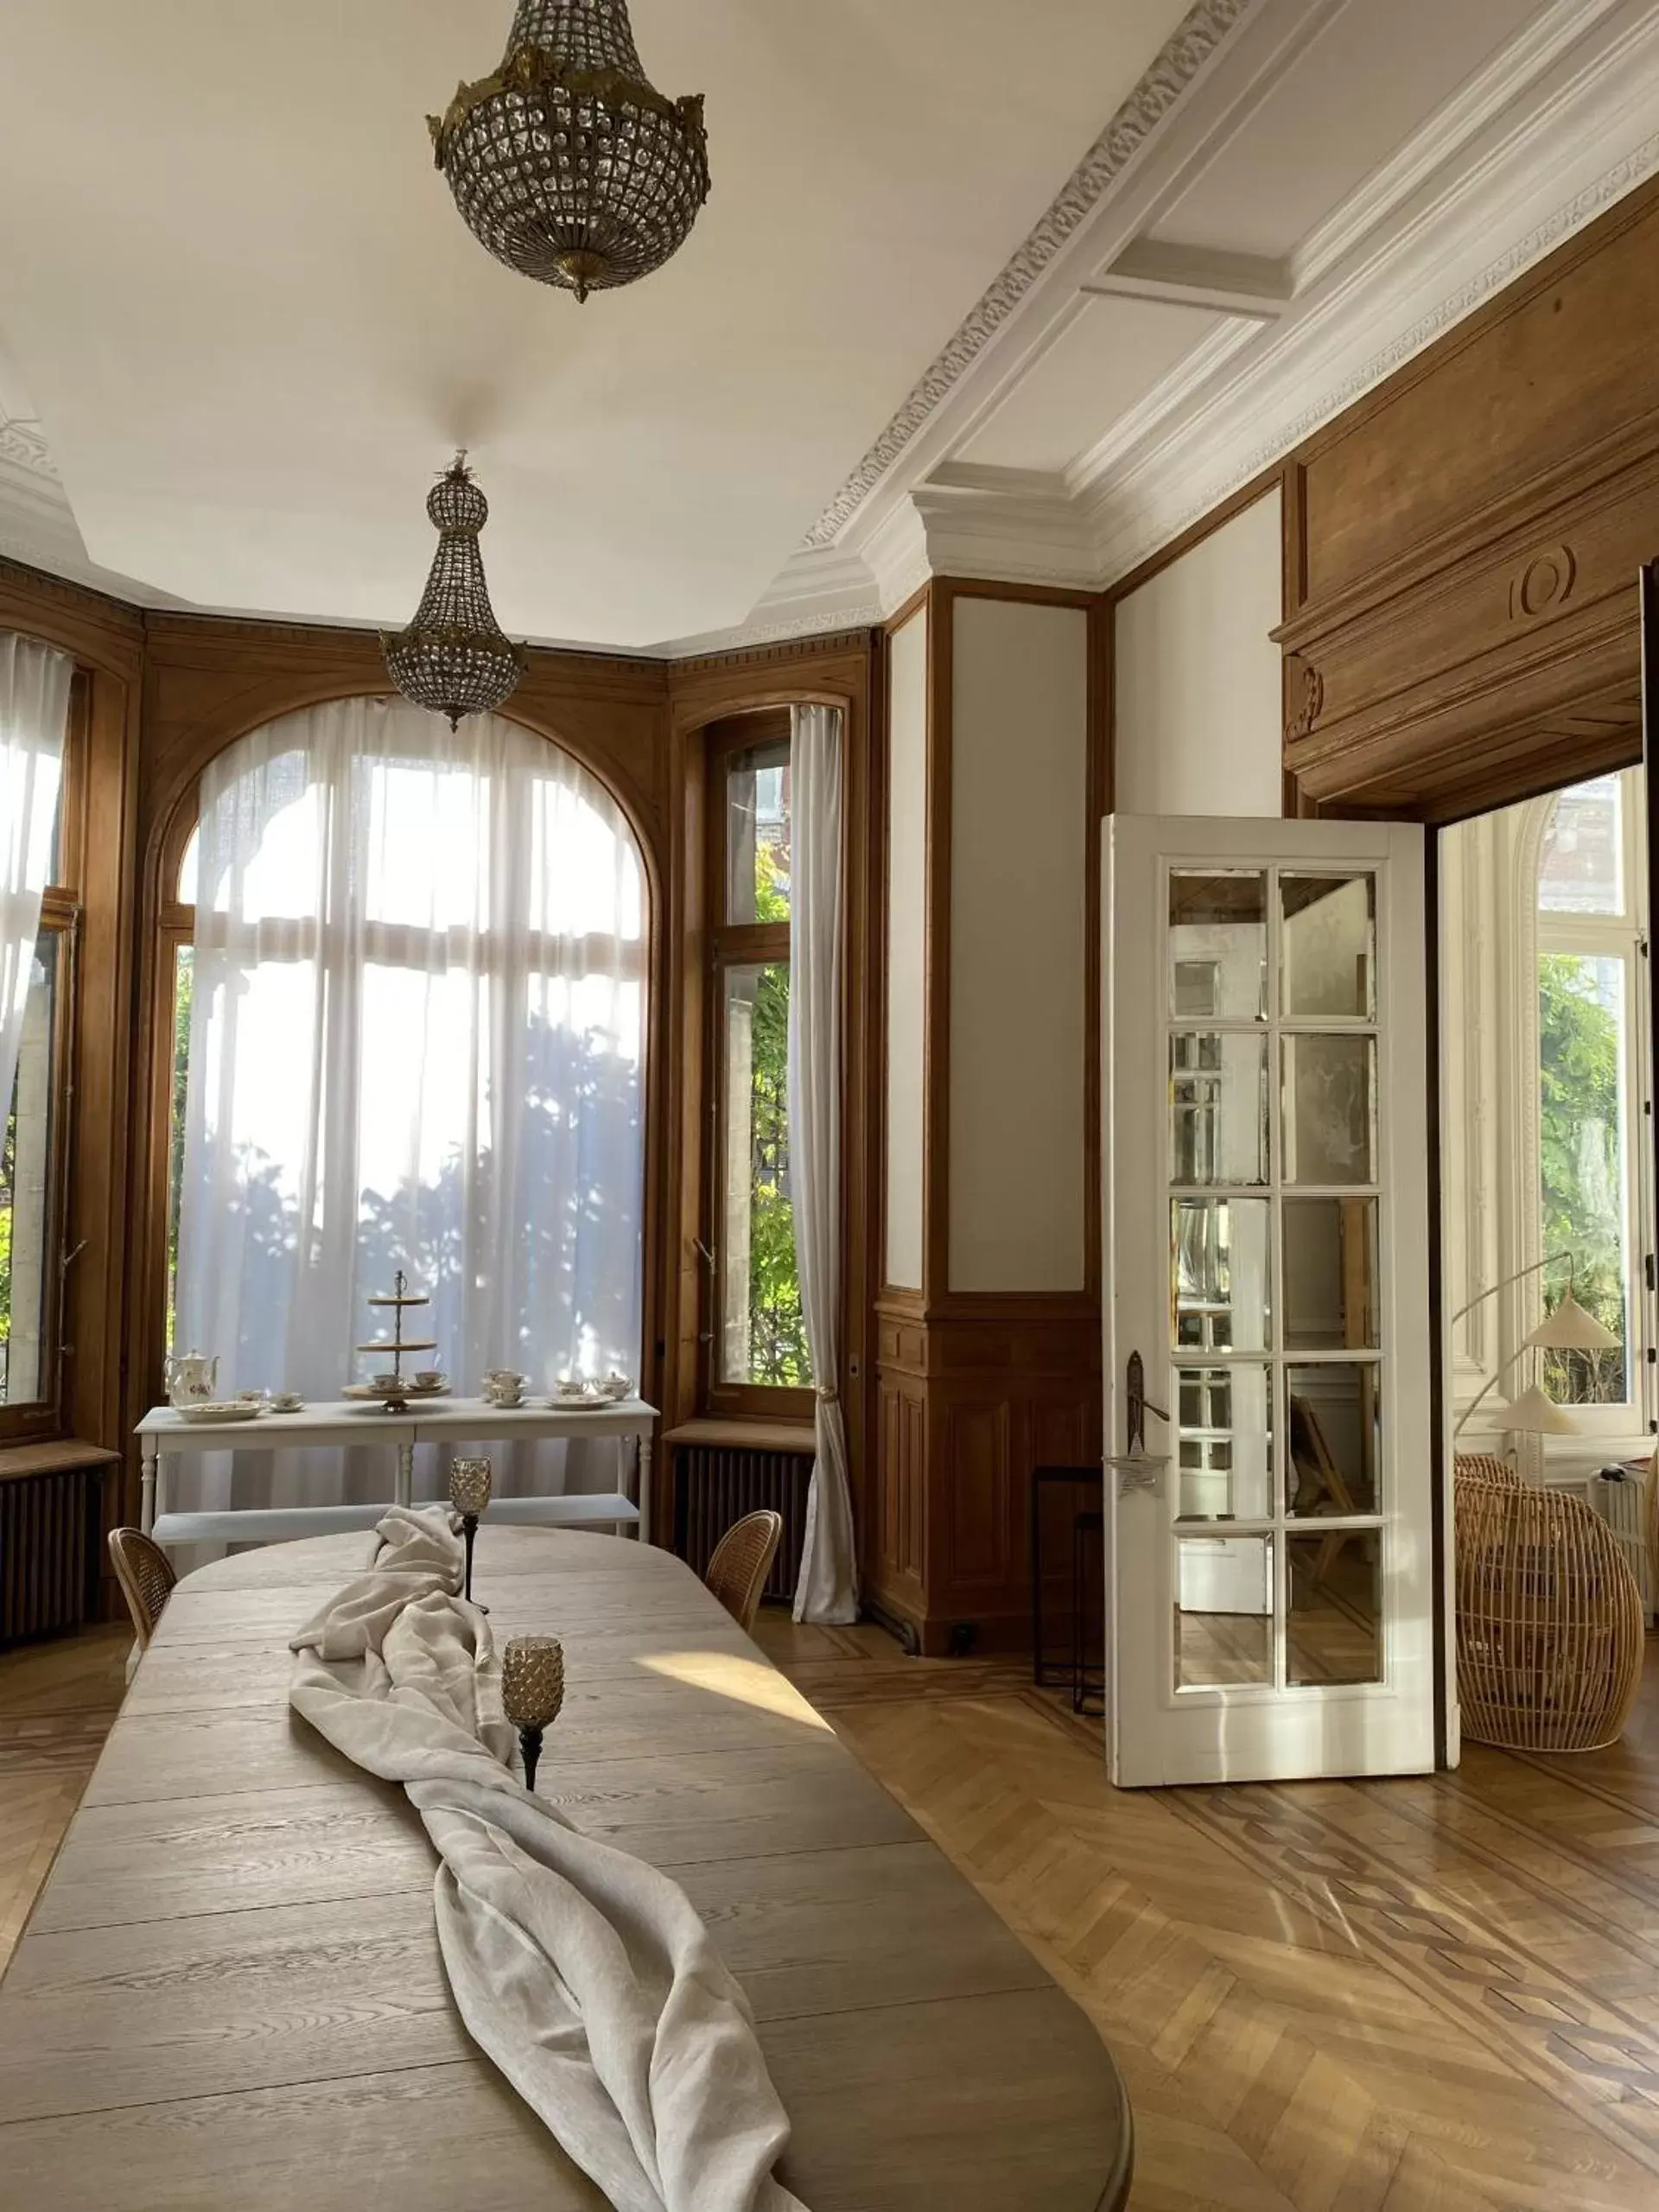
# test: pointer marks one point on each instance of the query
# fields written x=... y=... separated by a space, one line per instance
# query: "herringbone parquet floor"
x=1426 y=1996
x=1429 y=1996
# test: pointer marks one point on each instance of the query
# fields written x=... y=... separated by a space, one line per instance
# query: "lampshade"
x=1570 y=1328
x=1538 y=1415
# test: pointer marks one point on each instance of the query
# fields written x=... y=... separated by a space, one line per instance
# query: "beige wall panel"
x=906 y=890
x=1198 y=726
x=1019 y=920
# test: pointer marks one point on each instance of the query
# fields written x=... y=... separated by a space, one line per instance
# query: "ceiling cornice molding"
x=1506 y=78
x=1376 y=321
x=1194 y=44
x=23 y=446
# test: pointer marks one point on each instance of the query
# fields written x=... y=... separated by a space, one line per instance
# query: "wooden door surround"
x=1462 y=548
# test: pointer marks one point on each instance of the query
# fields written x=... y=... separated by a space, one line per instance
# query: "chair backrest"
x=146 y=1576
x=1485 y=1467
x=737 y=1573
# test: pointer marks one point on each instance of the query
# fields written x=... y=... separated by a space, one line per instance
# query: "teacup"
x=287 y=1401
x=616 y=1385
x=387 y=1382
x=429 y=1378
x=506 y=1398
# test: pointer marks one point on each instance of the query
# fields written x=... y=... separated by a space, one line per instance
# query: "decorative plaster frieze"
x=1199 y=36
x=1300 y=378
x=22 y=445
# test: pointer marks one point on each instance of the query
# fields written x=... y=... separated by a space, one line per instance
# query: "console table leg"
x=405 y=1473
x=643 y=1525
x=147 y=1506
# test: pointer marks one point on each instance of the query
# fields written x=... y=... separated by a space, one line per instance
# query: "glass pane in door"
x=1223 y=1611
x=1329 y=1105
x=1218 y=1106
x=1333 y=1590
x=1224 y=1433
x=1221 y=1292
x=1327 y=953
x=1335 y=1424
x=1330 y=1274
x=1217 y=944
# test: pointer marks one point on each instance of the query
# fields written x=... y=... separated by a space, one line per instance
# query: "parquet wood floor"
x=1428 y=1996
x=56 y=1703
x=1437 y=1995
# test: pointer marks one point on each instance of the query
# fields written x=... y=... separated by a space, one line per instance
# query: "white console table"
x=164 y=1437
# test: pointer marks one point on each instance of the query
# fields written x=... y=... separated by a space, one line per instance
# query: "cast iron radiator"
x=716 y=1484
x=50 y=1527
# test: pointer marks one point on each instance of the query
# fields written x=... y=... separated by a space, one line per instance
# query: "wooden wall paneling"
x=1499 y=659
x=1468 y=536
x=1558 y=361
x=106 y=641
x=833 y=671
x=975 y=1388
x=936 y=1065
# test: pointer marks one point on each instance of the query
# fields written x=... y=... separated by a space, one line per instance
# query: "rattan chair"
x=146 y=1576
x=1486 y=1467
x=1549 y=1621
x=737 y=1573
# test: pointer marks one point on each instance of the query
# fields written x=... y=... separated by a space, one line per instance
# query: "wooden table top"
x=229 y=1992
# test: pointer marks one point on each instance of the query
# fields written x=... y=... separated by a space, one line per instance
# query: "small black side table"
x=1059 y=1670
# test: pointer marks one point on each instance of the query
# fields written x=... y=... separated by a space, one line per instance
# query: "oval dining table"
x=229 y=1992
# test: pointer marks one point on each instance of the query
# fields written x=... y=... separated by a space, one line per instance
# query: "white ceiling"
x=1357 y=87
x=1347 y=180
x=238 y=300
x=1110 y=354
x=252 y=326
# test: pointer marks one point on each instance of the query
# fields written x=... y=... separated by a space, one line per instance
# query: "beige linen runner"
x=585 y=1974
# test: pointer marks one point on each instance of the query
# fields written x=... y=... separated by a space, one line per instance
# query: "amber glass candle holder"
x=532 y=1693
x=469 y=1493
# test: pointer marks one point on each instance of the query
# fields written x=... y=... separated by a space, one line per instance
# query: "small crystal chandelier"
x=566 y=163
x=454 y=657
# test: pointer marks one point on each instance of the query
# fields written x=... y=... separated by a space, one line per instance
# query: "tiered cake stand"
x=398 y=1398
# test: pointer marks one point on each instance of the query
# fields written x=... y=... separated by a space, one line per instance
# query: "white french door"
x=1269 y=1556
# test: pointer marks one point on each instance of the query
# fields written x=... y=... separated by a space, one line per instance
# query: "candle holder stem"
x=530 y=1743
x=469 y=1531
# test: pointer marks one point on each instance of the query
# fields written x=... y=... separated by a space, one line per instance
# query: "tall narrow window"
x=1590 y=931
x=38 y=910
x=754 y=1332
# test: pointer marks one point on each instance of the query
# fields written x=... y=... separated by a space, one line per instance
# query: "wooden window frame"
x=731 y=946
x=61 y=909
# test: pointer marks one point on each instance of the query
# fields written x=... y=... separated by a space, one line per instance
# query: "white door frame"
x=1157 y=1733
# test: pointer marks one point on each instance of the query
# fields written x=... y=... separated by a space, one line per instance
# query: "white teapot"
x=192 y=1377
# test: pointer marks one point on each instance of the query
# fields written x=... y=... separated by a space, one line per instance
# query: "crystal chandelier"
x=454 y=657
x=566 y=163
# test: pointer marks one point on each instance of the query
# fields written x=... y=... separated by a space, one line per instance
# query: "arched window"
x=1592 y=1055
x=409 y=1026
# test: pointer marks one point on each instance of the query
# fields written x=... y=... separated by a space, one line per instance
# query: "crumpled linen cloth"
x=585 y=1973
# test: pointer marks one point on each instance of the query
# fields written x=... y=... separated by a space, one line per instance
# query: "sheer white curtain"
x=416 y=1036
x=827 y=1587
x=35 y=682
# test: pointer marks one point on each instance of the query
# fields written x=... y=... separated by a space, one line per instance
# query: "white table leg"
x=643 y=1525
x=147 y=1507
x=406 y=1472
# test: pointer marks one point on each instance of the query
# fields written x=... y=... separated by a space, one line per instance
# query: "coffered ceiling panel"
x=254 y=326
x=1108 y=357
x=1358 y=88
